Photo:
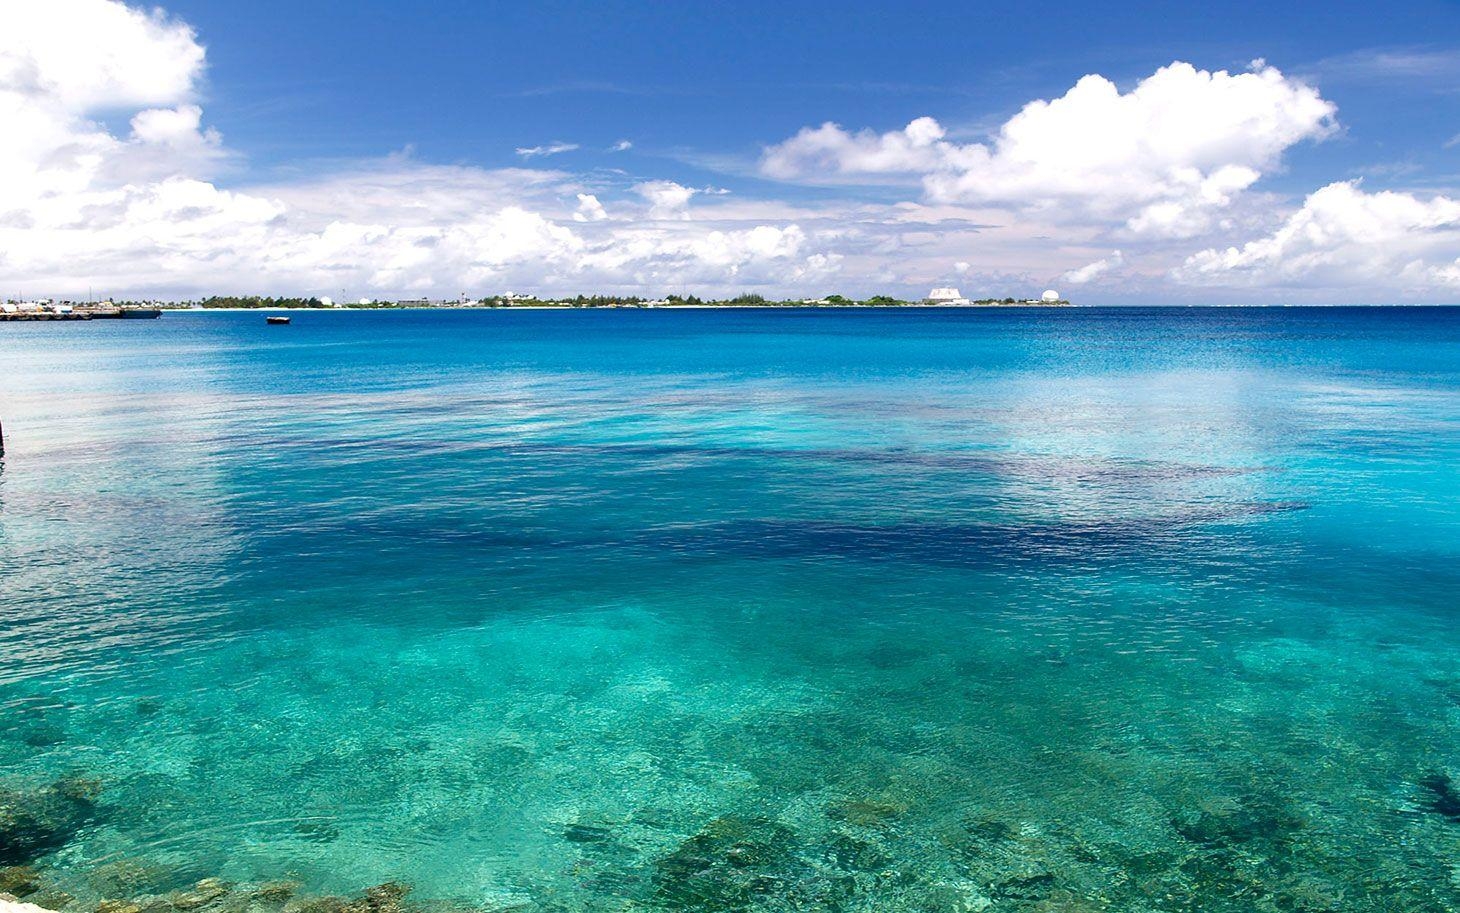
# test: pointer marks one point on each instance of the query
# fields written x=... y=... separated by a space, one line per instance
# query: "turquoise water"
x=1144 y=610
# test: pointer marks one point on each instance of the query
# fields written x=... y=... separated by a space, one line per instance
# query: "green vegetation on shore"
x=259 y=301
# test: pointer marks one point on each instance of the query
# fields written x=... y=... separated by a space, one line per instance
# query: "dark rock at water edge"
x=34 y=822
x=19 y=881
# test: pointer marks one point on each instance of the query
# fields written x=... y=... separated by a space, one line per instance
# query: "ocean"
x=1145 y=609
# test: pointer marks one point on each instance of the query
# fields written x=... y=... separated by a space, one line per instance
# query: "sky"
x=1131 y=153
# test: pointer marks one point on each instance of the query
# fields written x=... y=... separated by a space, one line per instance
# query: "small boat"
x=280 y=320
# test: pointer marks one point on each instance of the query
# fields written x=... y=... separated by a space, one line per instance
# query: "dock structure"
x=110 y=312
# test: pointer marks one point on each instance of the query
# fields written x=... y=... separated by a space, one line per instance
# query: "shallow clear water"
x=859 y=610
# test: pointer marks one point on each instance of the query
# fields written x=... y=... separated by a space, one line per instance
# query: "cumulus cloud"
x=829 y=150
x=528 y=152
x=82 y=55
x=1092 y=271
x=622 y=145
x=589 y=209
x=1343 y=236
x=62 y=61
x=667 y=200
x=1161 y=158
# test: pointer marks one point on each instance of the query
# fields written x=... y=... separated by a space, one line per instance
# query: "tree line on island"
x=249 y=302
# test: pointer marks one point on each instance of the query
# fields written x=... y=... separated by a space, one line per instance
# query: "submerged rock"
x=35 y=822
x=1444 y=798
x=383 y=898
x=43 y=735
x=1310 y=893
x=866 y=812
x=1258 y=819
x=325 y=904
x=853 y=854
x=214 y=895
x=585 y=833
x=275 y=891
x=1033 y=886
x=975 y=839
x=204 y=893
x=19 y=881
x=131 y=877
x=733 y=862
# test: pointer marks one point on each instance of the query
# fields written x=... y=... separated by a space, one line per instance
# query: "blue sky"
x=457 y=141
x=471 y=82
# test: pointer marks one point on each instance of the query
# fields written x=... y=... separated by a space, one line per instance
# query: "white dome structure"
x=1050 y=295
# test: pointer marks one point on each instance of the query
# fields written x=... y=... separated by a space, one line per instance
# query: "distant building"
x=414 y=303
x=947 y=296
x=1050 y=296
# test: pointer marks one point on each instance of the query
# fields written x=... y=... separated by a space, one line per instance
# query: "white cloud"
x=83 y=55
x=667 y=200
x=63 y=61
x=1161 y=158
x=762 y=255
x=1344 y=237
x=172 y=126
x=622 y=145
x=589 y=209
x=829 y=150
x=1092 y=271
x=144 y=208
x=139 y=214
x=528 y=152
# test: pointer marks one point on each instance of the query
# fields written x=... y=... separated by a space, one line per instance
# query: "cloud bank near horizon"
x=1150 y=191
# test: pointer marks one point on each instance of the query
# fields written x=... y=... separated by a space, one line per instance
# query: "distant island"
x=939 y=297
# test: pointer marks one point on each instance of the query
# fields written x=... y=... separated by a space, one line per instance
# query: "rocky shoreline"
x=38 y=821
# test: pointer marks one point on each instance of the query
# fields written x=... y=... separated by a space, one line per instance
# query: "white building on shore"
x=951 y=297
